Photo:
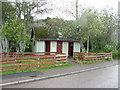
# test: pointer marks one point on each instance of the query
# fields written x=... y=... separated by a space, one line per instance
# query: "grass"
x=29 y=70
x=28 y=62
x=67 y=65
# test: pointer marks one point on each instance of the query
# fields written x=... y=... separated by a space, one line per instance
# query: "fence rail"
x=25 y=61
x=93 y=56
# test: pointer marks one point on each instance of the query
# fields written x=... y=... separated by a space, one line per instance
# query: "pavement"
x=23 y=74
x=51 y=73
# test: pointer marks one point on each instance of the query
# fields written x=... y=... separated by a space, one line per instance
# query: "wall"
x=76 y=47
x=39 y=46
x=65 y=48
x=53 y=46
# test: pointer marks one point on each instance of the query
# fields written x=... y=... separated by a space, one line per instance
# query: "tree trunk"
x=77 y=11
x=92 y=46
x=4 y=45
x=88 y=45
x=82 y=46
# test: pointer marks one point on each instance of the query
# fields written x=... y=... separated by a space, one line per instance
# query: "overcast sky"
x=59 y=6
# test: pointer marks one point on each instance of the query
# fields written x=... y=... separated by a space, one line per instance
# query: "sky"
x=61 y=7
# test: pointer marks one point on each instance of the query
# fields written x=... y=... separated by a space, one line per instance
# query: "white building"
x=57 y=46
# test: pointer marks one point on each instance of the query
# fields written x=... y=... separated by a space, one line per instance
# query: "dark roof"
x=63 y=40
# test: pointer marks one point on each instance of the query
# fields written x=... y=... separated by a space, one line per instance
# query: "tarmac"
x=51 y=73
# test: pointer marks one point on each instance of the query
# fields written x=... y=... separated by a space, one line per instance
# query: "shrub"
x=100 y=51
x=115 y=53
x=16 y=35
x=108 y=48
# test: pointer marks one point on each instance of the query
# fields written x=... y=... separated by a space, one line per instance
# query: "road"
x=100 y=78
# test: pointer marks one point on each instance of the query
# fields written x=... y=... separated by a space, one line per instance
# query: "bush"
x=108 y=59
x=115 y=53
x=16 y=34
x=108 y=48
x=119 y=53
x=100 y=51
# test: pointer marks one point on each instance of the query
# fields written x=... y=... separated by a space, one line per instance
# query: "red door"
x=47 y=44
x=70 y=49
x=59 y=47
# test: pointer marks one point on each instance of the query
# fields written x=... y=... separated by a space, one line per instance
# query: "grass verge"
x=40 y=69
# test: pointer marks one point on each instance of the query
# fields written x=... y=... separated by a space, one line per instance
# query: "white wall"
x=39 y=46
x=65 y=47
x=76 y=47
x=53 y=46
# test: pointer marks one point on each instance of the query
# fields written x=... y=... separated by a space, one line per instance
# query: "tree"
x=76 y=11
x=8 y=12
x=54 y=25
x=16 y=35
x=27 y=10
x=30 y=9
x=109 y=20
x=41 y=32
x=91 y=29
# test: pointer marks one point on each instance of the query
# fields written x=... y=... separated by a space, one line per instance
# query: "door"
x=70 y=49
x=47 y=44
x=59 y=47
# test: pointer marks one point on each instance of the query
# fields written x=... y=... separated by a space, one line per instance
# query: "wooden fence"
x=93 y=56
x=24 y=61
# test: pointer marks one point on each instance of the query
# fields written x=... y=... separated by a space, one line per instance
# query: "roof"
x=62 y=40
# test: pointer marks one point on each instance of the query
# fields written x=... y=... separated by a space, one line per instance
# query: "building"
x=56 y=45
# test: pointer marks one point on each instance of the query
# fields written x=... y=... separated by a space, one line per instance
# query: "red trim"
x=59 y=47
x=47 y=46
x=70 y=48
x=57 y=40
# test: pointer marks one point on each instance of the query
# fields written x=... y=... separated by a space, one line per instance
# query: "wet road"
x=100 y=78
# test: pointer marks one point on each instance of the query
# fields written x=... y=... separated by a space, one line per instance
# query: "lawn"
x=39 y=69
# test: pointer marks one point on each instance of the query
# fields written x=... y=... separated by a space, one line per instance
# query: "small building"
x=57 y=46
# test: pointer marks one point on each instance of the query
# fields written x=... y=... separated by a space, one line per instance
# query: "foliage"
x=8 y=11
x=41 y=32
x=91 y=29
x=116 y=54
x=25 y=12
x=54 y=25
x=28 y=9
x=15 y=33
x=108 y=48
x=99 y=30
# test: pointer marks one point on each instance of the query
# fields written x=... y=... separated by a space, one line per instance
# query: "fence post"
x=55 y=57
x=111 y=55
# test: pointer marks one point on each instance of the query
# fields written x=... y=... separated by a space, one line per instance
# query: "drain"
x=33 y=76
